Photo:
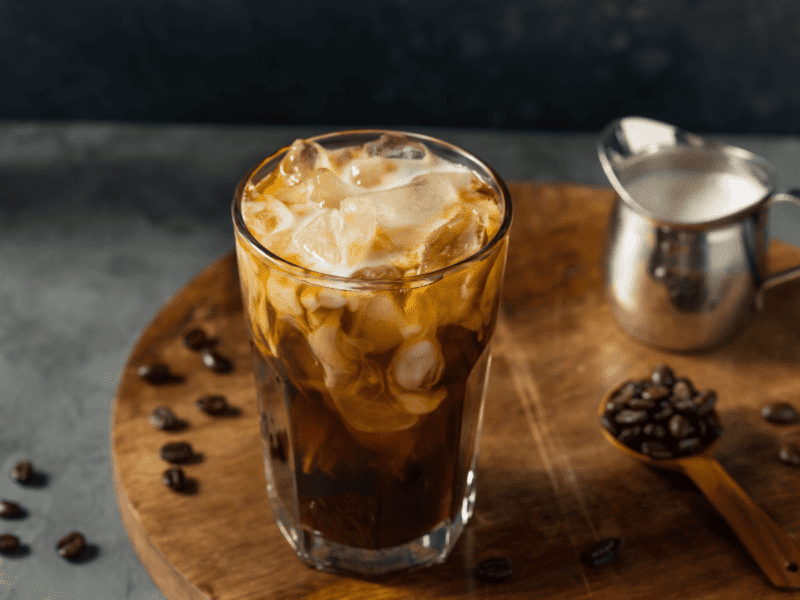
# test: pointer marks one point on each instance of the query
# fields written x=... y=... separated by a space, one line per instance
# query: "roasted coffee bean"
x=177 y=452
x=682 y=389
x=71 y=545
x=8 y=543
x=685 y=405
x=628 y=390
x=163 y=418
x=679 y=426
x=608 y=425
x=9 y=510
x=665 y=411
x=212 y=405
x=174 y=479
x=789 y=454
x=196 y=339
x=216 y=362
x=654 y=430
x=494 y=570
x=155 y=373
x=662 y=375
x=641 y=403
x=689 y=445
x=705 y=401
x=655 y=450
x=616 y=404
x=630 y=417
x=629 y=434
x=22 y=472
x=780 y=412
x=656 y=392
x=601 y=552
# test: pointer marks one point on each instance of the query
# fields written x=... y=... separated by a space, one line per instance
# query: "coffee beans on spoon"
x=662 y=416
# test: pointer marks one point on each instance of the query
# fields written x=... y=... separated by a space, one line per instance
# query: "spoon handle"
x=769 y=545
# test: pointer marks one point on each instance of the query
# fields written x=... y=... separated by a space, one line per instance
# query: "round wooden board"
x=549 y=485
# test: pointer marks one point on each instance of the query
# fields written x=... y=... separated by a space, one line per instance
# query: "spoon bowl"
x=671 y=464
x=770 y=546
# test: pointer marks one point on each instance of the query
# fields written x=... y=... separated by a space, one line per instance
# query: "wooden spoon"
x=770 y=546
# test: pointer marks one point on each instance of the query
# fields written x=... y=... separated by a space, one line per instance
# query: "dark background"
x=721 y=65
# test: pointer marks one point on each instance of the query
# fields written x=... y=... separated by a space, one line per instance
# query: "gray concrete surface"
x=99 y=225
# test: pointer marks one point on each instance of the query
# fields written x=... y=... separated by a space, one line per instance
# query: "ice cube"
x=315 y=241
x=369 y=172
x=417 y=364
x=366 y=405
x=416 y=367
x=458 y=238
x=267 y=218
x=381 y=320
x=393 y=145
x=328 y=189
x=299 y=162
x=407 y=214
x=420 y=403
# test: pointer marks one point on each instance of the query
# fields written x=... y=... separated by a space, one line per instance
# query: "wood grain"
x=549 y=484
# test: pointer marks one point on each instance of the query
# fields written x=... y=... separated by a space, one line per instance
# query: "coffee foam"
x=377 y=208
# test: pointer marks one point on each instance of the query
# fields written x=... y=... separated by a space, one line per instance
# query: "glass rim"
x=292 y=269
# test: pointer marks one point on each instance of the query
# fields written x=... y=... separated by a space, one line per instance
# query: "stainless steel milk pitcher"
x=685 y=256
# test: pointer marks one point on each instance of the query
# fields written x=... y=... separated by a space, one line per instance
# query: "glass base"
x=317 y=551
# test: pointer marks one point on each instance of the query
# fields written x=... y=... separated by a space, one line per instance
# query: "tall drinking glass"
x=371 y=389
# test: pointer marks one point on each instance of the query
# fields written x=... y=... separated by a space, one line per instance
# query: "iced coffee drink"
x=371 y=265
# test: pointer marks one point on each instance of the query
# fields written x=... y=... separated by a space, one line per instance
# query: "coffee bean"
x=196 y=339
x=163 y=418
x=680 y=427
x=601 y=552
x=494 y=570
x=8 y=543
x=71 y=545
x=608 y=425
x=656 y=392
x=642 y=403
x=705 y=401
x=662 y=375
x=789 y=454
x=630 y=417
x=689 y=445
x=212 y=405
x=156 y=373
x=654 y=430
x=656 y=450
x=22 y=472
x=216 y=362
x=682 y=389
x=665 y=411
x=685 y=405
x=9 y=510
x=779 y=412
x=177 y=452
x=174 y=479
x=616 y=404
x=628 y=391
x=629 y=434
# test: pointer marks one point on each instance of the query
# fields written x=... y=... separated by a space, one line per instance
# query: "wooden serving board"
x=549 y=485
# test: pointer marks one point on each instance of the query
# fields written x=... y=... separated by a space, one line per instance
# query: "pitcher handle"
x=792 y=197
